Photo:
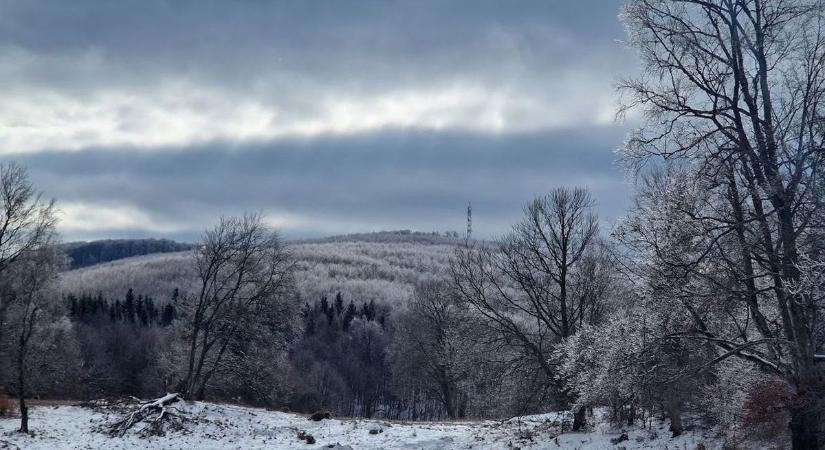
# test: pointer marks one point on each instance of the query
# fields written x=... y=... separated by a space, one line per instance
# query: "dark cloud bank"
x=419 y=180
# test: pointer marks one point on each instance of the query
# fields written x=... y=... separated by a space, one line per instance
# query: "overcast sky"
x=153 y=118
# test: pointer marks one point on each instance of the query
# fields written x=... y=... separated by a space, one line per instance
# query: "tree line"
x=141 y=310
x=84 y=254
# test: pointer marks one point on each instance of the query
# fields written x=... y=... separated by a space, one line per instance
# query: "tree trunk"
x=462 y=406
x=631 y=414
x=28 y=326
x=21 y=395
x=24 y=414
x=806 y=419
x=674 y=413
x=579 y=419
x=447 y=396
x=804 y=426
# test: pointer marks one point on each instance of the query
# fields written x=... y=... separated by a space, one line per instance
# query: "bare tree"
x=28 y=279
x=26 y=233
x=431 y=345
x=529 y=287
x=26 y=220
x=733 y=95
x=244 y=272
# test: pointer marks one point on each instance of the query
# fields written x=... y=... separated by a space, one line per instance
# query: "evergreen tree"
x=308 y=315
x=349 y=315
x=72 y=300
x=168 y=314
x=129 y=307
x=140 y=311
x=81 y=307
x=328 y=310
x=118 y=308
x=93 y=304
x=151 y=310
x=339 y=304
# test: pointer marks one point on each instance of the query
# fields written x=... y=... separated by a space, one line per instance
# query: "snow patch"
x=232 y=427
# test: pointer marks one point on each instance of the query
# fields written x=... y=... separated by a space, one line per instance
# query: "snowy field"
x=232 y=427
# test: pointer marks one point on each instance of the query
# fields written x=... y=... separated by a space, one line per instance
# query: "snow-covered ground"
x=234 y=427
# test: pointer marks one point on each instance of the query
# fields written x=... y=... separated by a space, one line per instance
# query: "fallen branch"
x=153 y=413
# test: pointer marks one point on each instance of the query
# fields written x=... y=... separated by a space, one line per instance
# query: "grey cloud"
x=290 y=48
x=297 y=54
x=382 y=180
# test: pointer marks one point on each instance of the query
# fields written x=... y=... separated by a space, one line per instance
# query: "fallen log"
x=152 y=413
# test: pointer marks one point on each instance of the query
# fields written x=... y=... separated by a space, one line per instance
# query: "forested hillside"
x=381 y=267
x=351 y=302
x=83 y=254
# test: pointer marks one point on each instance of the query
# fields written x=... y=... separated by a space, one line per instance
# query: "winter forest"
x=695 y=320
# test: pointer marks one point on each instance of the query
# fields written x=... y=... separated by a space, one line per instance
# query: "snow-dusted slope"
x=362 y=268
x=233 y=427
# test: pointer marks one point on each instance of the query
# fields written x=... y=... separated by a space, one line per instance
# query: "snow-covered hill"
x=233 y=427
x=382 y=267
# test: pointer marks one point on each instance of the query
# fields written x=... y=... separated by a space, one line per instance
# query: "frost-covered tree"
x=26 y=219
x=732 y=94
x=27 y=264
x=691 y=272
x=244 y=276
x=433 y=346
x=543 y=281
x=601 y=364
x=27 y=283
x=631 y=363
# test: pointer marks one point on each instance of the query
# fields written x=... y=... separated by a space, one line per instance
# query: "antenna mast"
x=469 y=220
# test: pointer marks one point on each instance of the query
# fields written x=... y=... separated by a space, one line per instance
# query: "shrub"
x=7 y=405
x=765 y=411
